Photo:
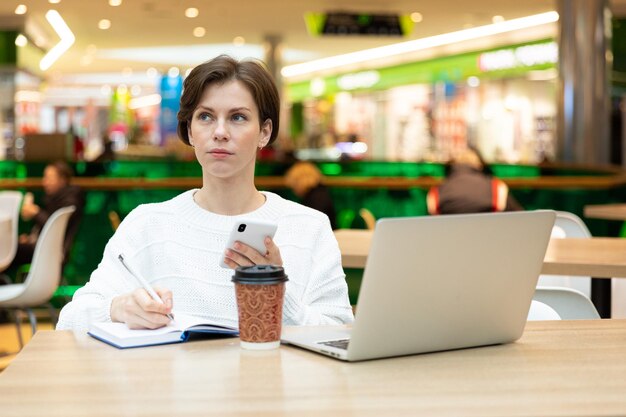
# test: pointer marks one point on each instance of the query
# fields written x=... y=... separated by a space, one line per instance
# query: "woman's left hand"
x=243 y=255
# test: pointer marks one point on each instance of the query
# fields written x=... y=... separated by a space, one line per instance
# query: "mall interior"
x=379 y=95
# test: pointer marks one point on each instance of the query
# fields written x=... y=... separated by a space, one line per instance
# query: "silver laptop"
x=437 y=283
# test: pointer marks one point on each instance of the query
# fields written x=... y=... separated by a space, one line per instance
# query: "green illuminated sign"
x=357 y=24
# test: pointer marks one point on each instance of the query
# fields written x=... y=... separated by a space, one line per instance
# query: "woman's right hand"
x=139 y=311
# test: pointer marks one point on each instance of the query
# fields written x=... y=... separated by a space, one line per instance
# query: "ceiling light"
x=115 y=3
x=239 y=41
x=497 y=19
x=199 y=32
x=152 y=72
x=473 y=81
x=21 y=9
x=20 y=40
x=135 y=90
x=192 y=12
x=145 y=101
x=418 y=44
x=54 y=1
x=173 y=72
x=104 y=24
x=416 y=17
x=66 y=39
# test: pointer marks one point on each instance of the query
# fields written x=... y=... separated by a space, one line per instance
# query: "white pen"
x=146 y=286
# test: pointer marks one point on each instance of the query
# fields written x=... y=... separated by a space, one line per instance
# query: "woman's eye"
x=204 y=116
x=239 y=117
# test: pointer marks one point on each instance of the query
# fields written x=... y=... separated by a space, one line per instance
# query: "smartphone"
x=252 y=233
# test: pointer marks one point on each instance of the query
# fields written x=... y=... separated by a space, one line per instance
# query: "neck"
x=229 y=199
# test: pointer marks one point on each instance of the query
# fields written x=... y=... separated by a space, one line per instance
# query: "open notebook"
x=179 y=330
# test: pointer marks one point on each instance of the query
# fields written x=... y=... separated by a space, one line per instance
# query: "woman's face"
x=52 y=181
x=225 y=131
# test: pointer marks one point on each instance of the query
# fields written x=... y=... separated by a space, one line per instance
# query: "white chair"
x=568 y=303
x=10 y=202
x=541 y=311
x=44 y=275
x=568 y=225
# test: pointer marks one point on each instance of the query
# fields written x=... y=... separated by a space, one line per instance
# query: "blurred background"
x=410 y=80
x=378 y=95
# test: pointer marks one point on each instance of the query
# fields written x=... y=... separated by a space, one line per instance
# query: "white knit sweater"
x=177 y=245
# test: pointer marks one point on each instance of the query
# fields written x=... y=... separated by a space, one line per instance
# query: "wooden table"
x=597 y=257
x=558 y=368
x=606 y=211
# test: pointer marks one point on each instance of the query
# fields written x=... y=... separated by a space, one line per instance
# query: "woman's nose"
x=221 y=130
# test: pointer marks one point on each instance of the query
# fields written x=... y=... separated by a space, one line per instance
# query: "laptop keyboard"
x=340 y=344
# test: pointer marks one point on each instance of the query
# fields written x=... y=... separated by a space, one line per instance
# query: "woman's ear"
x=189 y=136
x=266 y=133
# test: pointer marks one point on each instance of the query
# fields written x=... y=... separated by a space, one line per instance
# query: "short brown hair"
x=251 y=74
x=64 y=171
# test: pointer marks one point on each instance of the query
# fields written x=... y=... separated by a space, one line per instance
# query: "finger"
x=238 y=258
x=273 y=252
x=145 y=320
x=167 y=297
x=231 y=263
x=249 y=252
x=130 y=312
x=147 y=303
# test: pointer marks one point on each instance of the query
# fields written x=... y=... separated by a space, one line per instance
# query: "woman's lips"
x=220 y=153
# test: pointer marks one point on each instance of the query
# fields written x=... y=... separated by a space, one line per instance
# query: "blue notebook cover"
x=179 y=330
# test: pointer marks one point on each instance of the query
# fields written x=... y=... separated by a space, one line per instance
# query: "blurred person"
x=58 y=193
x=470 y=187
x=229 y=110
x=305 y=180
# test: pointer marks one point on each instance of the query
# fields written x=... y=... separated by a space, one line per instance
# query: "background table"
x=606 y=211
x=616 y=291
x=556 y=368
x=597 y=257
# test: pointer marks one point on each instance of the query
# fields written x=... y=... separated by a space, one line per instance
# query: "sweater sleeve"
x=325 y=300
x=92 y=303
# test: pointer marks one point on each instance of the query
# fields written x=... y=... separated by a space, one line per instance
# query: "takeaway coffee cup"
x=260 y=291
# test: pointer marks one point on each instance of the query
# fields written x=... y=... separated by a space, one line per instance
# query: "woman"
x=228 y=111
x=58 y=193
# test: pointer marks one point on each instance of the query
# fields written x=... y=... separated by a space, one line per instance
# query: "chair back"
x=569 y=303
x=568 y=225
x=9 y=218
x=115 y=220
x=45 y=269
x=368 y=218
